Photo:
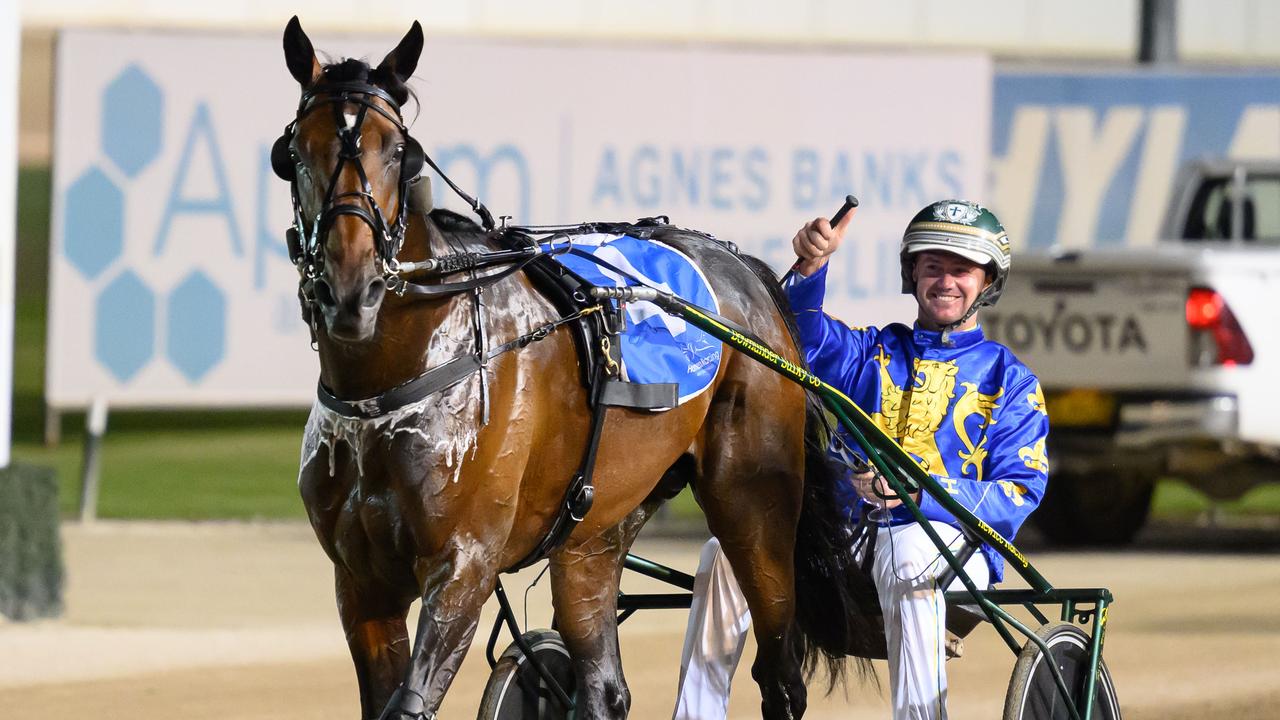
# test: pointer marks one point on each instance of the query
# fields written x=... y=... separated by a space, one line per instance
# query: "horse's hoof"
x=400 y=714
x=406 y=704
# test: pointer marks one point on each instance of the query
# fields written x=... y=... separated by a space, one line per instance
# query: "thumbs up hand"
x=816 y=242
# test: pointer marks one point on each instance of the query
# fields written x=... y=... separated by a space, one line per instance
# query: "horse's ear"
x=402 y=61
x=299 y=55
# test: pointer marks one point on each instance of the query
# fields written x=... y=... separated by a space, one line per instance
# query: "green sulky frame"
x=905 y=476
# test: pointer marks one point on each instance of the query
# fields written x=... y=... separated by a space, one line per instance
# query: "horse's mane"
x=451 y=222
x=355 y=70
x=779 y=295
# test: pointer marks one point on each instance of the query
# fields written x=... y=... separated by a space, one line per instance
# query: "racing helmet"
x=963 y=228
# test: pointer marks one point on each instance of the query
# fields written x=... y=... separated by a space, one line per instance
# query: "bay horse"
x=434 y=499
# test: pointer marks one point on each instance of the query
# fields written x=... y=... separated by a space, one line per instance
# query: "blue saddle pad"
x=656 y=347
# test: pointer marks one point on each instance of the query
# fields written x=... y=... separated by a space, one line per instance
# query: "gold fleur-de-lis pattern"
x=968 y=410
x=1013 y=491
x=1035 y=457
x=1036 y=399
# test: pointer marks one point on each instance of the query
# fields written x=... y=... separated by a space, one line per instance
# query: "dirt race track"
x=219 y=621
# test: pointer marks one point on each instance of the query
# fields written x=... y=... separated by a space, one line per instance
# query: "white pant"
x=713 y=639
x=905 y=568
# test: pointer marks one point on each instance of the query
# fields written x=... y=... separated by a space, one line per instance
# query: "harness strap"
x=580 y=495
x=486 y=217
x=443 y=290
x=482 y=348
x=643 y=396
x=433 y=380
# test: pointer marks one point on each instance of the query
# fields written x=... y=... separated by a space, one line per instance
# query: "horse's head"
x=349 y=158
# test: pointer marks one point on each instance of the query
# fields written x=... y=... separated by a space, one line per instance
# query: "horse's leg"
x=584 y=588
x=373 y=620
x=751 y=485
x=457 y=582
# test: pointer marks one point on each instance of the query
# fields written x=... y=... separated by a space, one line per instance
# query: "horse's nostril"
x=374 y=292
x=324 y=294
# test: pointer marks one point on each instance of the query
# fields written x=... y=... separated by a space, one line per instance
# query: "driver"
x=963 y=406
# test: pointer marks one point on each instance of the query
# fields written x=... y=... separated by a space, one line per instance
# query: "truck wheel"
x=1093 y=509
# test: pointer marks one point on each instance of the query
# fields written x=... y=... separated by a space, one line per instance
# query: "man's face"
x=946 y=285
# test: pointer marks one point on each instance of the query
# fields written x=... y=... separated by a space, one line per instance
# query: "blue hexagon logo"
x=93 y=227
x=197 y=332
x=132 y=110
x=124 y=331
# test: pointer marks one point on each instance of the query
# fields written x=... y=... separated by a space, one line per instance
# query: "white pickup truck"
x=1157 y=362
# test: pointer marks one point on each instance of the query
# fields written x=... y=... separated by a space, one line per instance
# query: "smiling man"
x=962 y=405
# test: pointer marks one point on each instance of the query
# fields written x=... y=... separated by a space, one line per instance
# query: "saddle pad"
x=656 y=347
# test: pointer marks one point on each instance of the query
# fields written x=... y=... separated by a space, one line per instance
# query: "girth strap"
x=642 y=396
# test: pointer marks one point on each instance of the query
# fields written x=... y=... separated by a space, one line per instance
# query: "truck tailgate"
x=1103 y=322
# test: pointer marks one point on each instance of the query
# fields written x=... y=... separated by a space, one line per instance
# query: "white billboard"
x=170 y=285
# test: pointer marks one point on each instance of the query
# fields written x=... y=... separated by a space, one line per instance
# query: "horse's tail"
x=831 y=589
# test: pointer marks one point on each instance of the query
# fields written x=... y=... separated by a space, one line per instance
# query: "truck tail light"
x=1211 y=320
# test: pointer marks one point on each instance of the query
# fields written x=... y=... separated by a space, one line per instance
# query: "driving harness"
x=596 y=324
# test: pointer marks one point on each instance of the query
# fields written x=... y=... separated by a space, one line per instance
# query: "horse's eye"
x=302 y=169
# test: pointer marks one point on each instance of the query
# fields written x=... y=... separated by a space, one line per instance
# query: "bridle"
x=306 y=242
x=518 y=250
x=306 y=239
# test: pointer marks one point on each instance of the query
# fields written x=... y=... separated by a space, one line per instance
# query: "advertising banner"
x=1089 y=159
x=170 y=281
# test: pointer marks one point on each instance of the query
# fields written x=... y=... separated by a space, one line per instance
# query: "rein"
x=305 y=239
x=306 y=250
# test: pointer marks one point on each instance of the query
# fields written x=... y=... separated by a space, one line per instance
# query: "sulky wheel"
x=516 y=691
x=1033 y=695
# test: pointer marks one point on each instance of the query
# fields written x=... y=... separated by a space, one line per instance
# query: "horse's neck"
x=406 y=331
x=415 y=335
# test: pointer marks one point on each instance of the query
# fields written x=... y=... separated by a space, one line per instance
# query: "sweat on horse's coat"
x=327 y=428
x=431 y=504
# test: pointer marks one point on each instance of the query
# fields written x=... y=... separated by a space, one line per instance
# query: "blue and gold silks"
x=969 y=411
